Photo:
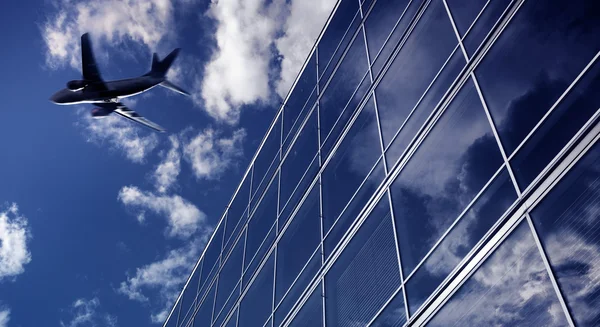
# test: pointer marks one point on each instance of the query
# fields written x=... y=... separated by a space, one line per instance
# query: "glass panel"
x=310 y=105
x=266 y=163
x=286 y=305
x=233 y=320
x=298 y=243
x=366 y=274
x=414 y=68
x=341 y=88
x=350 y=164
x=173 y=319
x=343 y=24
x=568 y=223
x=203 y=317
x=212 y=259
x=511 y=288
x=311 y=313
x=475 y=223
x=189 y=298
x=301 y=188
x=484 y=24
x=534 y=60
x=297 y=105
x=428 y=102
x=352 y=210
x=261 y=222
x=257 y=304
x=382 y=19
x=556 y=131
x=230 y=275
x=298 y=159
x=394 y=315
x=237 y=210
x=253 y=263
x=454 y=162
x=379 y=56
x=464 y=12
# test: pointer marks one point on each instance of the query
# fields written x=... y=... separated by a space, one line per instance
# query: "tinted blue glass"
x=378 y=59
x=382 y=19
x=302 y=186
x=254 y=262
x=300 y=240
x=266 y=163
x=352 y=210
x=454 y=162
x=221 y=313
x=263 y=219
x=328 y=141
x=366 y=274
x=256 y=306
x=568 y=223
x=555 y=132
x=484 y=24
x=189 y=298
x=233 y=320
x=340 y=90
x=212 y=260
x=420 y=59
x=511 y=288
x=310 y=105
x=464 y=12
x=350 y=164
x=237 y=214
x=311 y=313
x=534 y=60
x=394 y=315
x=297 y=105
x=298 y=159
x=230 y=275
x=203 y=317
x=337 y=36
x=288 y=302
x=413 y=123
x=495 y=200
x=173 y=319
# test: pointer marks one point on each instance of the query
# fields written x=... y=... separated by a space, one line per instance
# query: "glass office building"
x=435 y=163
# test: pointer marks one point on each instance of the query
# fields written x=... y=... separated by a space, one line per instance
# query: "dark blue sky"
x=106 y=241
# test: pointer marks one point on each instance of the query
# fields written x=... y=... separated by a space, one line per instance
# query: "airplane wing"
x=88 y=62
x=132 y=115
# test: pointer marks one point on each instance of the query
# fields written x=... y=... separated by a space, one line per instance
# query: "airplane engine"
x=76 y=85
x=100 y=112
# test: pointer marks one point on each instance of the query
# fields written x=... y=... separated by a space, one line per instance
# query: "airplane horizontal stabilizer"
x=173 y=87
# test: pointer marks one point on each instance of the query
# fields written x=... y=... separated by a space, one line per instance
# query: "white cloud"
x=210 y=155
x=184 y=218
x=120 y=134
x=85 y=313
x=167 y=171
x=14 y=234
x=160 y=282
x=4 y=317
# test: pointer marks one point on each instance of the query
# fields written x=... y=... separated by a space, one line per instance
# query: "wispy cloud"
x=85 y=313
x=4 y=317
x=14 y=235
x=120 y=134
x=167 y=171
x=160 y=282
x=210 y=154
x=183 y=218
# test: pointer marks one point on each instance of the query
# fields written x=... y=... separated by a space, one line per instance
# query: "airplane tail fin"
x=160 y=67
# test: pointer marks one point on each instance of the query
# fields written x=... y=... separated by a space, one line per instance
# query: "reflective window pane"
x=263 y=249
x=557 y=130
x=568 y=222
x=263 y=219
x=300 y=191
x=298 y=159
x=189 y=298
x=350 y=164
x=336 y=38
x=173 y=320
x=203 y=317
x=366 y=274
x=298 y=104
x=256 y=305
x=428 y=102
x=212 y=259
x=266 y=163
x=464 y=12
x=341 y=88
x=382 y=19
x=311 y=313
x=539 y=54
x=454 y=162
x=394 y=315
x=484 y=24
x=232 y=320
x=424 y=53
x=298 y=243
x=474 y=224
x=237 y=214
x=511 y=288
x=229 y=276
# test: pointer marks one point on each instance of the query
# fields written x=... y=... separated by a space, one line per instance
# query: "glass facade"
x=435 y=163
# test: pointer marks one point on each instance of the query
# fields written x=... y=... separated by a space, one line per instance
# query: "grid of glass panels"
x=411 y=136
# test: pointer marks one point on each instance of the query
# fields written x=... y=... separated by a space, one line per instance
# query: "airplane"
x=106 y=95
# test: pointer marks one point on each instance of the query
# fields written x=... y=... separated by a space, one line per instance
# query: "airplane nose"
x=56 y=97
